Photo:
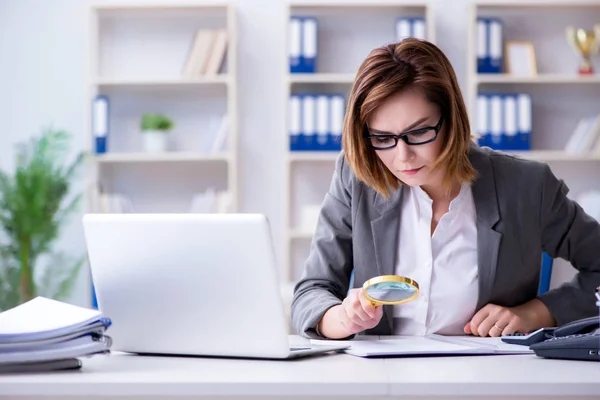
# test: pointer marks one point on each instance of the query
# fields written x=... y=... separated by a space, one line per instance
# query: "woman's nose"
x=403 y=151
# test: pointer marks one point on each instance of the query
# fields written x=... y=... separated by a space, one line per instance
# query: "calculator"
x=527 y=339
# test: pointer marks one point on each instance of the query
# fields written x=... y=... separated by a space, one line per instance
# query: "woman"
x=412 y=195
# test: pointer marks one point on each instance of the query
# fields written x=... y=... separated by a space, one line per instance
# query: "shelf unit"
x=556 y=85
x=137 y=55
x=356 y=29
x=560 y=97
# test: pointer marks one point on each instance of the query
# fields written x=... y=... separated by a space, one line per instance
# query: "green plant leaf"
x=34 y=205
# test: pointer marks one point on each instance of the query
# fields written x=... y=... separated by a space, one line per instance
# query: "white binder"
x=309 y=44
x=510 y=123
x=483 y=120
x=295 y=123
x=294 y=45
x=322 y=128
x=308 y=121
x=496 y=125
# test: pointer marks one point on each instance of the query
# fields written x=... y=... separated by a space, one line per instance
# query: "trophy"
x=586 y=44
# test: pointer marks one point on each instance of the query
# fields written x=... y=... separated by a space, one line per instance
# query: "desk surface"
x=336 y=375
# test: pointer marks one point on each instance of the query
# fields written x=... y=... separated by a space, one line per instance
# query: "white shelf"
x=554 y=155
x=123 y=37
x=542 y=78
x=533 y=4
x=150 y=6
x=159 y=157
x=308 y=156
x=321 y=78
x=200 y=81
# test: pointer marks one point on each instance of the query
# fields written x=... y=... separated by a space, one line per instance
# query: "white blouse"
x=443 y=264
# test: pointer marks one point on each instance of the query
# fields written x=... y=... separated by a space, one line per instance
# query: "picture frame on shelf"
x=520 y=58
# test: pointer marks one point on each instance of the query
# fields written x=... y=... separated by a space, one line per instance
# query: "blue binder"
x=100 y=123
x=490 y=49
x=524 y=121
x=303 y=45
x=309 y=45
x=295 y=45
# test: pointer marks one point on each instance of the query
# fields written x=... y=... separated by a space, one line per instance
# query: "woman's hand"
x=354 y=315
x=494 y=320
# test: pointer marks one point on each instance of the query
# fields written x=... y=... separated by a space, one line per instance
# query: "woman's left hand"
x=494 y=320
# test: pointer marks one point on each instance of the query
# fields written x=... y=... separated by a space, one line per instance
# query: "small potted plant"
x=154 y=129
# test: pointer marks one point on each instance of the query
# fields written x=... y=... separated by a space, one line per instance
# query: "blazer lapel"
x=385 y=227
x=488 y=240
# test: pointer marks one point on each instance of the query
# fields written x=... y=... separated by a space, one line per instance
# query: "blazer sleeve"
x=326 y=276
x=569 y=233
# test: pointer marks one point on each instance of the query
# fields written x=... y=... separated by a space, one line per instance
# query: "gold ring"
x=497 y=327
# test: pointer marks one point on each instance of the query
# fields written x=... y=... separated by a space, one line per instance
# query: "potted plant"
x=34 y=204
x=154 y=128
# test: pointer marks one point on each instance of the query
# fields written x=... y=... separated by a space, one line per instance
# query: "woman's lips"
x=411 y=171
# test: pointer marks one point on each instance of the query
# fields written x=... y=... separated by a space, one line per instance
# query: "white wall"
x=42 y=82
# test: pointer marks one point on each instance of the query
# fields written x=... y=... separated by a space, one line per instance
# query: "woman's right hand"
x=354 y=315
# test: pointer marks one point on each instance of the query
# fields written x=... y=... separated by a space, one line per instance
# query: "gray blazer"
x=522 y=210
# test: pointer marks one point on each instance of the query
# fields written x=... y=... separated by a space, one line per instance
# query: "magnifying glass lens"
x=390 y=289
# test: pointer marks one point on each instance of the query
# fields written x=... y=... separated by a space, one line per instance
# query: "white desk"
x=333 y=376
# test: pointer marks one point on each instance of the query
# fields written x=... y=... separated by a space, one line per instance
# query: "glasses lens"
x=425 y=135
x=382 y=142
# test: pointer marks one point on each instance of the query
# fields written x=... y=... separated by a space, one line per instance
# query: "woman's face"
x=403 y=112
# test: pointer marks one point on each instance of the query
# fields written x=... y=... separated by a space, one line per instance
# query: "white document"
x=42 y=318
x=80 y=347
x=427 y=345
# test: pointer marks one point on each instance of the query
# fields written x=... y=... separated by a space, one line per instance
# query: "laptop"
x=191 y=284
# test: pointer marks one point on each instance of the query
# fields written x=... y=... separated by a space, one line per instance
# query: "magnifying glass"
x=390 y=289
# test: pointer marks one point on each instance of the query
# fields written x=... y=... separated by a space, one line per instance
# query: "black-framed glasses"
x=412 y=138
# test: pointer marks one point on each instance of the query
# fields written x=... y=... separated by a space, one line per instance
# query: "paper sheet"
x=44 y=315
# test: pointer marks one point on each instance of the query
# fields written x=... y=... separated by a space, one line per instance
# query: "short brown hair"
x=388 y=70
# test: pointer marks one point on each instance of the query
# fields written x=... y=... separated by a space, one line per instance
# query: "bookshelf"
x=138 y=58
x=560 y=97
x=355 y=29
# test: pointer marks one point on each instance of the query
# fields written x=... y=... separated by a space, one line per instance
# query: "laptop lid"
x=198 y=284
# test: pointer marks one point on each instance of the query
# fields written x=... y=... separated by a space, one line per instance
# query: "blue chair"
x=546 y=274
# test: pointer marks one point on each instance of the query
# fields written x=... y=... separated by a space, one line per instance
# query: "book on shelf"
x=102 y=202
x=585 y=138
x=206 y=53
x=211 y=201
x=216 y=135
x=44 y=334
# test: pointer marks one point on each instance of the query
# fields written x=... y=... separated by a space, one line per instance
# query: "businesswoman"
x=412 y=195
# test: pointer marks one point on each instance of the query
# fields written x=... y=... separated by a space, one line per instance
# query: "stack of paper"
x=430 y=345
x=44 y=334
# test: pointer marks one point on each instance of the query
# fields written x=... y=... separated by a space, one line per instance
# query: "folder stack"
x=490 y=50
x=504 y=121
x=410 y=27
x=303 y=45
x=316 y=122
x=47 y=335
